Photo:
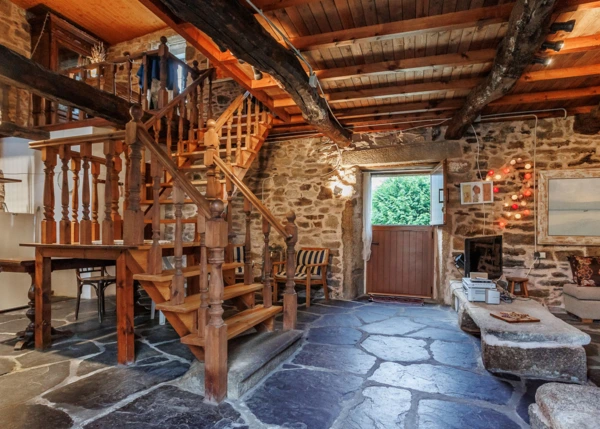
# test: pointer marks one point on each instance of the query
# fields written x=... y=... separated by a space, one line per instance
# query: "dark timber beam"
x=8 y=129
x=21 y=72
x=527 y=29
x=233 y=27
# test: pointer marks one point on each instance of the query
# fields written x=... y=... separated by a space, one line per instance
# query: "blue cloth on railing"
x=153 y=63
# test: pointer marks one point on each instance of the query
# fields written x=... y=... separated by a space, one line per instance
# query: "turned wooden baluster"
x=229 y=218
x=64 y=228
x=4 y=103
x=215 y=369
x=180 y=134
x=48 y=223
x=267 y=290
x=210 y=96
x=95 y=201
x=155 y=254
x=193 y=116
x=115 y=173
x=263 y=117
x=256 y=117
x=238 y=148
x=133 y=220
x=114 y=79
x=128 y=66
x=228 y=147
x=203 y=310
x=177 y=285
x=85 y=236
x=143 y=97
x=248 y=277
x=290 y=299
x=201 y=122
x=76 y=168
x=108 y=235
x=248 y=121
x=163 y=52
x=211 y=141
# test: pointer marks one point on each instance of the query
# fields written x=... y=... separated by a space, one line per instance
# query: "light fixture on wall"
x=555 y=46
x=544 y=61
x=567 y=27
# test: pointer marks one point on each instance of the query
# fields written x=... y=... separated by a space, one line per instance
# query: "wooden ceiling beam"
x=21 y=72
x=564 y=73
x=270 y=5
x=233 y=27
x=527 y=28
x=545 y=96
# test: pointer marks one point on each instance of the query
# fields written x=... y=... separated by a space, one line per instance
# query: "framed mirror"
x=569 y=207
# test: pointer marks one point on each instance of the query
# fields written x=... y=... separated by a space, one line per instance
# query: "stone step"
x=250 y=358
x=239 y=323
x=192 y=302
x=193 y=271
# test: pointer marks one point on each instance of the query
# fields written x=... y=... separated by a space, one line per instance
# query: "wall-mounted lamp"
x=257 y=73
x=555 y=46
x=541 y=60
x=567 y=27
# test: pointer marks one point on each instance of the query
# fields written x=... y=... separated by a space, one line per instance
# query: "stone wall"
x=15 y=34
x=294 y=175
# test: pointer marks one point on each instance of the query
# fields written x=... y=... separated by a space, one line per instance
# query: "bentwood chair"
x=97 y=278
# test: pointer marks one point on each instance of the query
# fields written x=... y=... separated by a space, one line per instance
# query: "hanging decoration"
x=518 y=202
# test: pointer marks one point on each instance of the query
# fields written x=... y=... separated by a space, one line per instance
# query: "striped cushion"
x=303 y=258
x=238 y=256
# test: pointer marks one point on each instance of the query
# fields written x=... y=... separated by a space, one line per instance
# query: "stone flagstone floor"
x=361 y=365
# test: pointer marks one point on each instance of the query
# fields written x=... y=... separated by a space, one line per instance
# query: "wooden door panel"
x=401 y=261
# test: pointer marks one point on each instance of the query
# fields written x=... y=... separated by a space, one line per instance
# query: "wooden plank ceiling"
x=386 y=61
x=111 y=20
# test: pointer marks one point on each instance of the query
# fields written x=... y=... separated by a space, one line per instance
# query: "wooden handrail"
x=175 y=102
x=77 y=140
x=166 y=161
x=229 y=112
x=251 y=197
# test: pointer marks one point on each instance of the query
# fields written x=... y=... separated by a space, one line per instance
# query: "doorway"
x=404 y=208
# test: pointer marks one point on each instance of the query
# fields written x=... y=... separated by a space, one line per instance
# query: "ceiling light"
x=257 y=73
x=555 y=46
x=541 y=60
x=567 y=27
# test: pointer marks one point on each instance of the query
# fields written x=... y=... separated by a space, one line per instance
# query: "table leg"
x=125 y=303
x=27 y=336
x=43 y=309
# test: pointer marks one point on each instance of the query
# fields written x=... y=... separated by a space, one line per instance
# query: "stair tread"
x=239 y=323
x=192 y=271
x=192 y=302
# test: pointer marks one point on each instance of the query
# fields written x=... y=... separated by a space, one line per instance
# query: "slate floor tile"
x=35 y=416
x=434 y=414
x=321 y=309
x=393 y=326
x=339 y=358
x=397 y=349
x=441 y=334
x=58 y=353
x=303 y=398
x=348 y=320
x=340 y=303
x=382 y=408
x=171 y=408
x=443 y=380
x=108 y=387
x=465 y=355
x=334 y=335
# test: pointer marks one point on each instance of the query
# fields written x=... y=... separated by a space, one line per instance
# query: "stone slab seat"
x=192 y=302
x=250 y=358
x=549 y=350
x=239 y=323
x=565 y=406
x=582 y=301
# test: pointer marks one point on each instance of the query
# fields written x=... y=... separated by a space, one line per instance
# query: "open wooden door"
x=439 y=194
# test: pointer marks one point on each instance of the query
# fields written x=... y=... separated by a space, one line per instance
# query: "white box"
x=475 y=294
x=492 y=296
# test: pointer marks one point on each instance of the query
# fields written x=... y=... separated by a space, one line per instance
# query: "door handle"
x=374 y=244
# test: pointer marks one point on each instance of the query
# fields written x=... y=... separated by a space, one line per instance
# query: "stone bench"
x=549 y=350
x=565 y=406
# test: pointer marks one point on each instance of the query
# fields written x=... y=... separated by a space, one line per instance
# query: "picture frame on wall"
x=477 y=193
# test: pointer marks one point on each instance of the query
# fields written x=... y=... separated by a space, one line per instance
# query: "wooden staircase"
x=194 y=160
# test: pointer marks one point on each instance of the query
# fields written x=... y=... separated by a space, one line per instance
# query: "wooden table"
x=27 y=266
x=125 y=291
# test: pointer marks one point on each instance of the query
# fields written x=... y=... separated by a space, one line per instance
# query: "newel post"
x=163 y=52
x=290 y=299
x=133 y=219
x=267 y=291
x=215 y=386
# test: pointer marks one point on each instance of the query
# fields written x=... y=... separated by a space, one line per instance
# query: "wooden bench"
x=550 y=349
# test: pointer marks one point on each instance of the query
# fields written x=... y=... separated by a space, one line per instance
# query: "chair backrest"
x=311 y=255
x=83 y=273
